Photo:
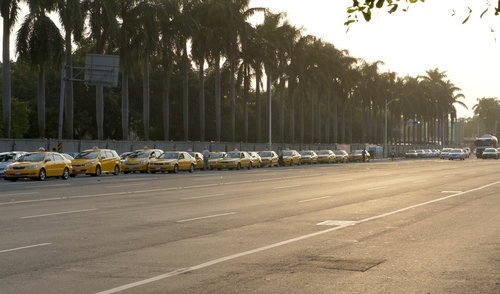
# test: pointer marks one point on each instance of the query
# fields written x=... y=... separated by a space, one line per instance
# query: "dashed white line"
x=25 y=247
x=204 y=217
x=203 y=196
x=58 y=213
x=314 y=199
x=377 y=188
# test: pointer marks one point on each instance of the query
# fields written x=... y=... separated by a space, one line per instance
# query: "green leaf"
x=367 y=15
x=380 y=3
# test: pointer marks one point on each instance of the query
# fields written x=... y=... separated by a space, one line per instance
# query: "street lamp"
x=385 y=124
x=271 y=83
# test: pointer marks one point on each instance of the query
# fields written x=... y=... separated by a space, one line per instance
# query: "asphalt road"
x=416 y=226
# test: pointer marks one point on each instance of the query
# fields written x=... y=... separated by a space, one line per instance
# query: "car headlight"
x=89 y=163
x=143 y=161
x=32 y=166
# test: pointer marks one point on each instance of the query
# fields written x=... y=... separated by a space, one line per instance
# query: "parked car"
x=199 y=159
x=291 y=157
x=139 y=160
x=445 y=153
x=490 y=153
x=420 y=153
x=95 y=162
x=412 y=153
x=456 y=154
x=357 y=156
x=172 y=162
x=235 y=160
x=341 y=156
x=38 y=165
x=326 y=156
x=256 y=159
x=309 y=156
x=214 y=157
x=7 y=158
x=269 y=158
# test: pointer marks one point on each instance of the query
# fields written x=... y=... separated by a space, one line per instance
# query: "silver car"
x=7 y=158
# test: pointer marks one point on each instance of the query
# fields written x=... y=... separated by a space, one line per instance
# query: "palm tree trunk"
x=6 y=82
x=99 y=104
x=41 y=102
x=167 y=75
x=232 y=97
x=145 y=96
x=185 y=92
x=201 y=96
x=68 y=88
x=258 y=108
x=218 y=98
x=125 y=106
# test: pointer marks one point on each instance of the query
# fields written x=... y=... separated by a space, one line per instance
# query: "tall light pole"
x=385 y=124
x=271 y=83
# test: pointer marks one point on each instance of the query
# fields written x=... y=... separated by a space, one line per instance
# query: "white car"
x=456 y=154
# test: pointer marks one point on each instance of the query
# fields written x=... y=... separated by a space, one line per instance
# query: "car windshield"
x=456 y=151
x=87 y=155
x=287 y=153
x=338 y=152
x=323 y=152
x=216 y=155
x=7 y=157
x=32 y=157
x=139 y=154
x=306 y=153
x=169 y=155
x=233 y=155
x=265 y=154
x=490 y=150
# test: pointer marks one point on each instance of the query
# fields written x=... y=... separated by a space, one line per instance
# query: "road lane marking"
x=314 y=199
x=344 y=224
x=204 y=196
x=451 y=191
x=25 y=247
x=377 y=188
x=58 y=213
x=286 y=187
x=20 y=194
x=204 y=217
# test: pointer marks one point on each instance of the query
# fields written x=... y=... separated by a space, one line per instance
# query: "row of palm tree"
x=320 y=93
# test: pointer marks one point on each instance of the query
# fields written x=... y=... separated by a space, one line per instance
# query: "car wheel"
x=42 y=175
x=65 y=174
x=238 y=167
x=176 y=168
x=11 y=179
x=250 y=165
x=191 y=169
x=97 y=171
x=117 y=170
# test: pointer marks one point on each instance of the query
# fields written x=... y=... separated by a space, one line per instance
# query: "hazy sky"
x=410 y=43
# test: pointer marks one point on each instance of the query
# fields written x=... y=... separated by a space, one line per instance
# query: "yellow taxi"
x=214 y=157
x=95 y=162
x=341 y=156
x=269 y=158
x=235 y=160
x=256 y=160
x=200 y=164
x=139 y=160
x=291 y=157
x=172 y=162
x=39 y=165
x=326 y=156
x=309 y=156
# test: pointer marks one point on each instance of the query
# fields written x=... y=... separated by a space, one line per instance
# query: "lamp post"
x=271 y=83
x=385 y=124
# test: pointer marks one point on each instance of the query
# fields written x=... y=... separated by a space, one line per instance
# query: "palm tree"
x=41 y=44
x=71 y=18
x=9 y=12
x=128 y=43
x=147 y=40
